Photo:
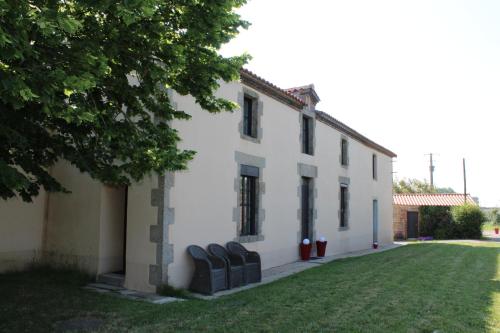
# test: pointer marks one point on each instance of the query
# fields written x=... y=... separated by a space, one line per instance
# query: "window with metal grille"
x=249 y=117
x=344 y=152
x=307 y=135
x=343 y=206
x=249 y=200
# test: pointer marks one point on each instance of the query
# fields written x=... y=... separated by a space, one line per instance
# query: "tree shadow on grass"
x=422 y=287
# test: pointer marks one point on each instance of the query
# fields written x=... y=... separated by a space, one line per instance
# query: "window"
x=248 y=201
x=307 y=135
x=344 y=158
x=343 y=206
x=374 y=166
x=249 y=117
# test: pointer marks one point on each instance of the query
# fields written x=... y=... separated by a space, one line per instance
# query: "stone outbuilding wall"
x=400 y=220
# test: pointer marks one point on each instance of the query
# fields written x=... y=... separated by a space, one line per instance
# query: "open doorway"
x=113 y=230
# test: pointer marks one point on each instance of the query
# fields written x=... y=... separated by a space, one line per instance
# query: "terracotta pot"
x=496 y=231
x=305 y=251
x=321 y=248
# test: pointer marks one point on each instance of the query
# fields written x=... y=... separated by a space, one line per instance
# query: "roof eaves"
x=329 y=120
x=250 y=79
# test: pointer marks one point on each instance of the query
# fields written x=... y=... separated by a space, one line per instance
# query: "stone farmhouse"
x=269 y=174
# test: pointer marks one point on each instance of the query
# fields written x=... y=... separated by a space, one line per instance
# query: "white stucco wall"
x=21 y=229
x=73 y=220
x=141 y=252
x=204 y=196
x=85 y=227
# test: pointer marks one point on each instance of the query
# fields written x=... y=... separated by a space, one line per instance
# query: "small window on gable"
x=344 y=152
x=307 y=135
x=250 y=116
x=374 y=166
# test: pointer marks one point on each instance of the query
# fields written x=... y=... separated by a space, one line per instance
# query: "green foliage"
x=459 y=222
x=494 y=217
x=417 y=186
x=445 y=190
x=87 y=81
x=436 y=221
x=468 y=220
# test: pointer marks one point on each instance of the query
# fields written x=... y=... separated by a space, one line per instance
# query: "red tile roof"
x=246 y=75
x=431 y=199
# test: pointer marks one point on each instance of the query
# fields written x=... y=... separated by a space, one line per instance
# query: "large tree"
x=87 y=81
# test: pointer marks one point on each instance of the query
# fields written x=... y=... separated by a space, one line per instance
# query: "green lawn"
x=423 y=287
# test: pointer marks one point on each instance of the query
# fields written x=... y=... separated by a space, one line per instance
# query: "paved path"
x=272 y=274
x=130 y=294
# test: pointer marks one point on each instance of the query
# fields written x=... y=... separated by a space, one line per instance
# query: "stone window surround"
x=310 y=171
x=258 y=162
x=344 y=137
x=344 y=182
x=312 y=115
x=258 y=106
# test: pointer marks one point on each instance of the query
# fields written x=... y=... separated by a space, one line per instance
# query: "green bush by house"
x=460 y=222
x=436 y=221
x=468 y=220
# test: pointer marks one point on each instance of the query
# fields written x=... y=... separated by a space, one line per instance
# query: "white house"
x=268 y=175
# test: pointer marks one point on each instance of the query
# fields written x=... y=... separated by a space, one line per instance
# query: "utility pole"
x=431 y=169
x=465 y=183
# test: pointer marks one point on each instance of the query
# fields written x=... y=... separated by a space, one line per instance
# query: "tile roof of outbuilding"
x=431 y=199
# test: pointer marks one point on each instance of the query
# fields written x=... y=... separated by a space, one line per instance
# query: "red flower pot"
x=305 y=251
x=375 y=245
x=321 y=248
x=496 y=231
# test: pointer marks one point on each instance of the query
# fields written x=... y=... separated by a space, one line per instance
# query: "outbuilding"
x=406 y=209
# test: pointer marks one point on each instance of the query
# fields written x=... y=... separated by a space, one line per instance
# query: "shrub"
x=468 y=219
x=436 y=221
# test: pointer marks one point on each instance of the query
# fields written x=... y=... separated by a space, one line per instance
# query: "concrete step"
x=111 y=279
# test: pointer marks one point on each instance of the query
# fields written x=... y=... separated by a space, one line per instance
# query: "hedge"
x=460 y=222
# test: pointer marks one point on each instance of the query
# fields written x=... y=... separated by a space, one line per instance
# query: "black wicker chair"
x=210 y=271
x=251 y=260
x=235 y=265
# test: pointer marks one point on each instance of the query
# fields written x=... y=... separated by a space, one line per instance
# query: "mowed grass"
x=422 y=287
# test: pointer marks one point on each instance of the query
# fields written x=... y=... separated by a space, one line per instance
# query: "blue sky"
x=415 y=76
